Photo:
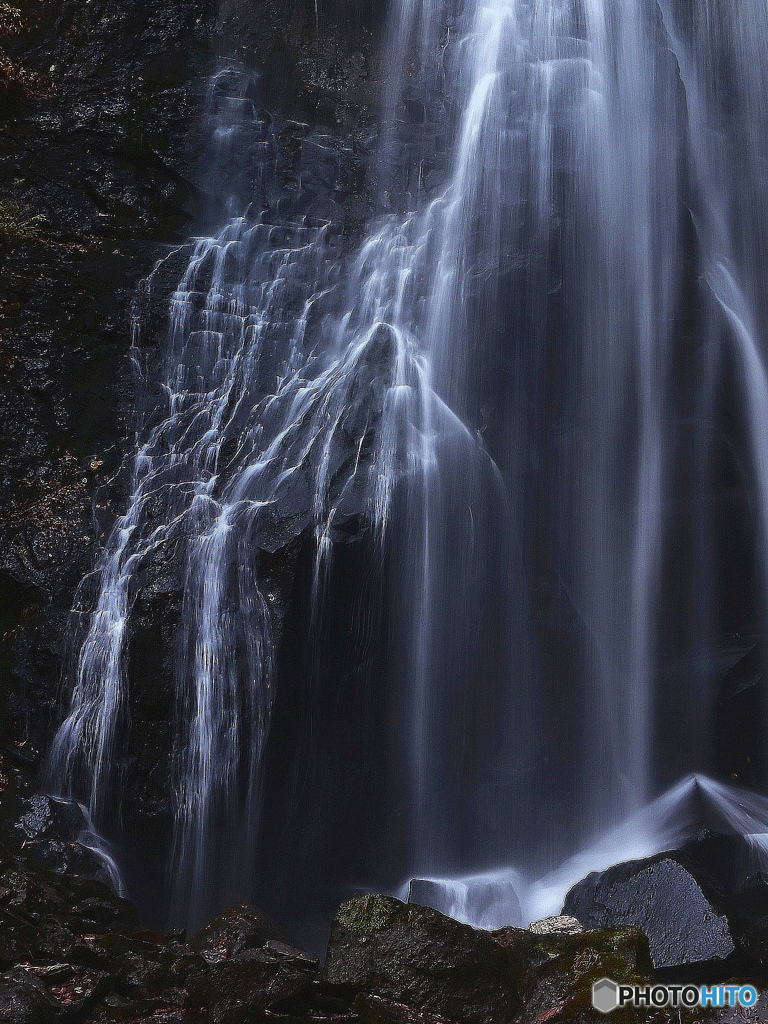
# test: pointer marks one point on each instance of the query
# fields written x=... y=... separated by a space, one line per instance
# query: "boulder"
x=416 y=956
x=253 y=980
x=679 y=910
x=373 y=1010
x=23 y=1000
x=558 y=969
x=562 y=925
x=59 y=835
x=41 y=817
x=748 y=916
x=241 y=927
x=239 y=964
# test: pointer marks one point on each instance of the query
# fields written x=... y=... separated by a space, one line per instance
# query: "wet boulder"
x=241 y=927
x=418 y=957
x=41 y=817
x=679 y=910
x=232 y=990
x=748 y=916
x=48 y=917
x=239 y=963
x=57 y=834
x=561 y=925
x=558 y=969
x=733 y=869
x=24 y=1000
x=373 y=1010
x=72 y=858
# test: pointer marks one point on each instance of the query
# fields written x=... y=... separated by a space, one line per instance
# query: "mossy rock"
x=369 y=913
x=416 y=956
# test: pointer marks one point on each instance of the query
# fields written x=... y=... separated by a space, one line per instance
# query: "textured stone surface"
x=560 y=925
x=239 y=928
x=415 y=955
x=664 y=900
x=373 y=1010
x=558 y=970
x=109 y=161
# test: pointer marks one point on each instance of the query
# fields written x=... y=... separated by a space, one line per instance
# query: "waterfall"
x=488 y=381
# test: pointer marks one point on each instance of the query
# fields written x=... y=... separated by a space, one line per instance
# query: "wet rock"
x=558 y=970
x=317 y=1001
x=242 y=927
x=141 y=971
x=373 y=1010
x=42 y=817
x=52 y=939
x=666 y=901
x=284 y=949
x=46 y=913
x=69 y=987
x=416 y=956
x=102 y=158
x=36 y=817
x=726 y=865
x=82 y=960
x=71 y=858
x=109 y=158
x=562 y=925
x=24 y=1000
x=254 y=979
x=748 y=916
x=57 y=834
x=11 y=949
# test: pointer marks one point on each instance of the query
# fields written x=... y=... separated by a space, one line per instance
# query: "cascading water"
x=248 y=442
x=488 y=382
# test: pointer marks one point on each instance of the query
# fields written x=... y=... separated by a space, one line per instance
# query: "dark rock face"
x=70 y=950
x=417 y=956
x=24 y=1000
x=255 y=979
x=731 y=864
x=664 y=900
x=47 y=916
x=374 y=1010
x=103 y=160
x=557 y=971
x=237 y=929
x=411 y=965
x=57 y=835
x=704 y=903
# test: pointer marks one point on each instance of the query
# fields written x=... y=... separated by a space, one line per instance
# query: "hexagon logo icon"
x=605 y=995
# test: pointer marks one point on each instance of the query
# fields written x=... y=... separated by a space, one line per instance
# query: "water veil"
x=489 y=381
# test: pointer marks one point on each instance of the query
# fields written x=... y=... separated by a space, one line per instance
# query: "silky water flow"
x=488 y=380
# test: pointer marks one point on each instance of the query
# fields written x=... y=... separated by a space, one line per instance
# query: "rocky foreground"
x=72 y=951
